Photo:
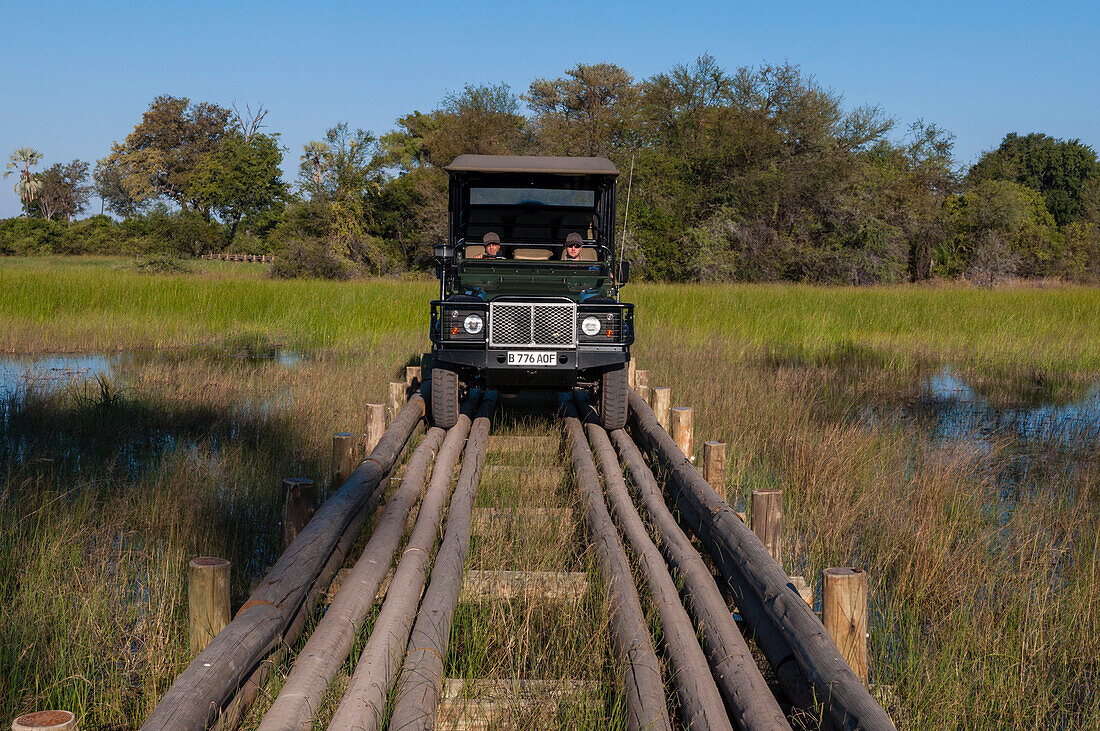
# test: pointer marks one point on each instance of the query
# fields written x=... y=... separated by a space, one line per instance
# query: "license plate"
x=532 y=358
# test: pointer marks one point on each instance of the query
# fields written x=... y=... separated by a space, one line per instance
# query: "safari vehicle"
x=530 y=319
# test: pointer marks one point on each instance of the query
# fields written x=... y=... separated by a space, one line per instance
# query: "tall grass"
x=984 y=553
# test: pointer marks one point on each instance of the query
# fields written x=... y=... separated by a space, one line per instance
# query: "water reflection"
x=960 y=412
x=48 y=373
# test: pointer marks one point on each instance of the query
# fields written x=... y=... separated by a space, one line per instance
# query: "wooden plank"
x=480 y=585
x=542 y=520
x=548 y=478
x=524 y=445
x=485 y=704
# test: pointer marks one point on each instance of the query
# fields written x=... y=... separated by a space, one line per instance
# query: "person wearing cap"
x=491 y=242
x=573 y=246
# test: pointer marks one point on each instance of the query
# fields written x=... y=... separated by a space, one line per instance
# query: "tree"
x=343 y=164
x=1063 y=171
x=159 y=158
x=114 y=195
x=1016 y=214
x=590 y=111
x=313 y=164
x=64 y=190
x=482 y=120
x=240 y=178
x=22 y=160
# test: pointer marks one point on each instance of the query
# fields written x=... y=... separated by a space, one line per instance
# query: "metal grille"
x=532 y=325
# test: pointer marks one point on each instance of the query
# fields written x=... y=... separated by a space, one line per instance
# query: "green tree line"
x=757 y=174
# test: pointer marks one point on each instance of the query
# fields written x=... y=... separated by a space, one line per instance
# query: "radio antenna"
x=626 y=214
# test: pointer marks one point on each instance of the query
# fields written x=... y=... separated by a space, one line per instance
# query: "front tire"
x=444 y=398
x=614 y=398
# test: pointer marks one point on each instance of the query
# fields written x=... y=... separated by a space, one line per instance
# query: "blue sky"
x=77 y=76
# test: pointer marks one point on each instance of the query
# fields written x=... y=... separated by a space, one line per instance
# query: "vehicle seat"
x=473 y=251
x=531 y=254
x=587 y=254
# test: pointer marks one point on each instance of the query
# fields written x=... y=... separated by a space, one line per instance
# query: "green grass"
x=983 y=554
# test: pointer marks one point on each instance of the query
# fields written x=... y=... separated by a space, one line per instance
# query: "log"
x=207 y=600
x=412 y=378
x=299 y=501
x=631 y=373
x=230 y=718
x=753 y=575
x=661 y=398
x=364 y=702
x=422 y=673
x=646 y=706
x=283 y=599
x=323 y=656
x=641 y=383
x=714 y=466
x=343 y=457
x=683 y=430
x=395 y=399
x=749 y=700
x=45 y=721
x=374 y=426
x=844 y=614
x=767 y=521
x=700 y=702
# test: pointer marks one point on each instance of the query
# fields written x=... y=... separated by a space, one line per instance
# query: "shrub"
x=305 y=256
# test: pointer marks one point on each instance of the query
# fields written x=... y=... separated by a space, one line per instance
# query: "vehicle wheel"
x=444 y=398
x=614 y=398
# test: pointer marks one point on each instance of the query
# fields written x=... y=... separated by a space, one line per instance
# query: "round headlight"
x=473 y=324
x=590 y=325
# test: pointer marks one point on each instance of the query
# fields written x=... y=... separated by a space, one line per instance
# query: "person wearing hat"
x=573 y=245
x=491 y=242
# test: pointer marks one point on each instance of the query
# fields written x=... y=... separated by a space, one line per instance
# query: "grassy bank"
x=90 y=304
x=983 y=549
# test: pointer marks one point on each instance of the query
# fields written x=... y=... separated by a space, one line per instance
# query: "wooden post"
x=683 y=430
x=660 y=398
x=343 y=457
x=396 y=400
x=844 y=614
x=412 y=378
x=207 y=600
x=767 y=520
x=299 y=501
x=714 y=466
x=375 y=427
x=631 y=373
x=641 y=384
x=45 y=721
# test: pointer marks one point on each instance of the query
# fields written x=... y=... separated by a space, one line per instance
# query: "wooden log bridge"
x=420 y=564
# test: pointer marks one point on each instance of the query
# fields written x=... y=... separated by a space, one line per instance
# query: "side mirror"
x=624 y=272
x=444 y=250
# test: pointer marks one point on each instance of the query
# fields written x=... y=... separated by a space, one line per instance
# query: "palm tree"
x=27 y=185
x=315 y=159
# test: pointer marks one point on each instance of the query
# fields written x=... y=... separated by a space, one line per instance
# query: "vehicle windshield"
x=532 y=197
x=495 y=277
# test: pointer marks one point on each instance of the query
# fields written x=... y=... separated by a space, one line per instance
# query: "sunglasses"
x=572 y=246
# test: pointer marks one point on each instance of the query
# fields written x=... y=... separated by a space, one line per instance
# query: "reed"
x=982 y=548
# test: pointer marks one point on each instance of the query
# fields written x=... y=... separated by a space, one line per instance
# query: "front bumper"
x=570 y=360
